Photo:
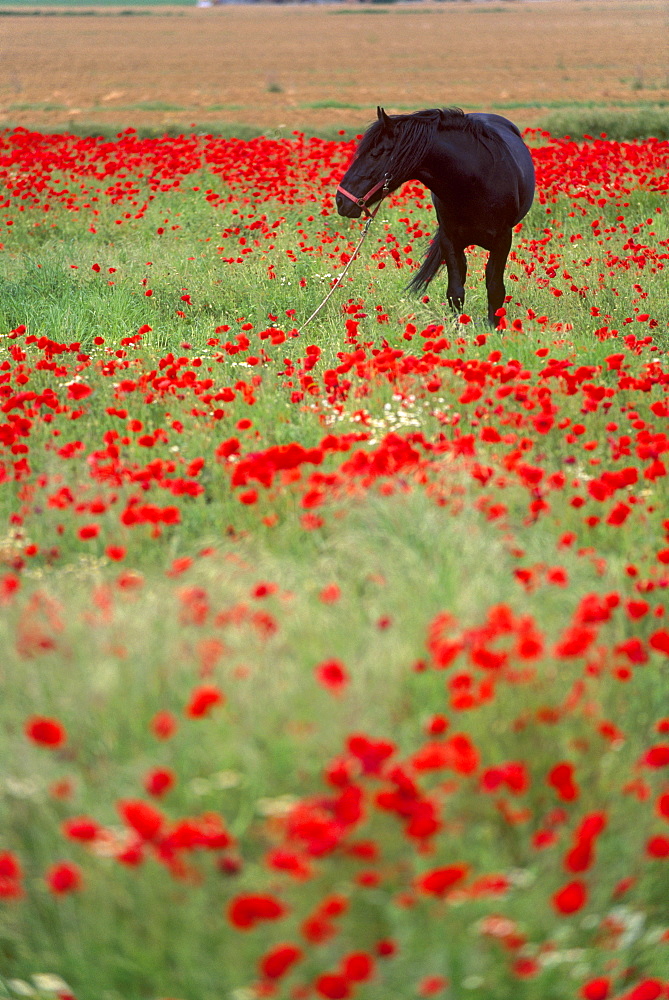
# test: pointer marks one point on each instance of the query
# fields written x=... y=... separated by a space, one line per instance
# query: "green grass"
x=151 y=106
x=339 y=105
x=225 y=107
x=636 y=120
x=631 y=123
x=110 y=130
x=640 y=106
x=37 y=106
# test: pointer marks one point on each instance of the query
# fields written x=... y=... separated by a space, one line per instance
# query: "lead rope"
x=341 y=277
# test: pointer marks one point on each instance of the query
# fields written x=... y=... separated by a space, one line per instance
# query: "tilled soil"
x=316 y=66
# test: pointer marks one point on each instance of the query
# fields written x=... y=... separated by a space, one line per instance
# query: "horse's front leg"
x=494 y=276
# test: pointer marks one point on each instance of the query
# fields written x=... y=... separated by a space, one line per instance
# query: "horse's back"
x=511 y=137
x=497 y=123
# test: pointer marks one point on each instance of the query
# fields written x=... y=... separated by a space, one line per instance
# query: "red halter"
x=383 y=185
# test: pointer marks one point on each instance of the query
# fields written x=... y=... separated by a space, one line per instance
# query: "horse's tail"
x=431 y=264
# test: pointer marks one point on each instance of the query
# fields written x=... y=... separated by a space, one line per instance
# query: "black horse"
x=481 y=176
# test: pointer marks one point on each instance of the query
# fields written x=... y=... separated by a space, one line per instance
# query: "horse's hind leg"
x=494 y=276
x=461 y=264
x=455 y=261
x=456 y=265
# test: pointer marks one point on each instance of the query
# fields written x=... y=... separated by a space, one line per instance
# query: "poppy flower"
x=88 y=531
x=658 y=847
x=431 y=985
x=144 y=819
x=648 y=989
x=357 y=967
x=525 y=968
x=159 y=781
x=561 y=778
x=330 y=594
x=660 y=641
x=115 y=552
x=657 y=756
x=580 y=857
x=78 y=390
x=332 y=675
x=81 y=828
x=10 y=876
x=245 y=911
x=164 y=725
x=203 y=699
x=46 y=732
x=277 y=962
x=440 y=880
x=63 y=877
x=570 y=898
x=9 y=865
x=596 y=989
x=332 y=986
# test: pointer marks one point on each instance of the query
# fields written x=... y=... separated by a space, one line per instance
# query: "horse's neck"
x=445 y=160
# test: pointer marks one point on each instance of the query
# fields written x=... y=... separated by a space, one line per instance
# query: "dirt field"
x=326 y=65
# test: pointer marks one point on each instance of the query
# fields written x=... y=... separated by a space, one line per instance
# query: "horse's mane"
x=414 y=135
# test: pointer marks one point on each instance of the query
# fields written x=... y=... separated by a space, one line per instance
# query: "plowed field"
x=326 y=65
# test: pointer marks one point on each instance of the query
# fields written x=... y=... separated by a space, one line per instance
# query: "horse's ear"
x=384 y=119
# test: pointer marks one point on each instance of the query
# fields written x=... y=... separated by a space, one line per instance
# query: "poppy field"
x=334 y=654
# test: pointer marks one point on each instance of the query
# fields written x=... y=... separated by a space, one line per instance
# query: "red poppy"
x=648 y=989
x=658 y=847
x=88 y=531
x=332 y=986
x=144 y=819
x=164 y=725
x=580 y=857
x=277 y=962
x=525 y=968
x=45 y=731
x=561 y=777
x=332 y=675
x=386 y=948
x=63 y=877
x=570 y=898
x=203 y=699
x=9 y=865
x=657 y=756
x=78 y=390
x=663 y=805
x=596 y=989
x=440 y=880
x=10 y=876
x=618 y=514
x=660 y=641
x=159 y=781
x=81 y=828
x=357 y=967
x=431 y=985
x=330 y=594
x=245 y=911
x=115 y=552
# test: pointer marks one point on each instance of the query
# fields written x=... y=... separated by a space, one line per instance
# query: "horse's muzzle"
x=352 y=207
x=347 y=207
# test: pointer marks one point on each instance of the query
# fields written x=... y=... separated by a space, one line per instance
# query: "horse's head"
x=369 y=177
